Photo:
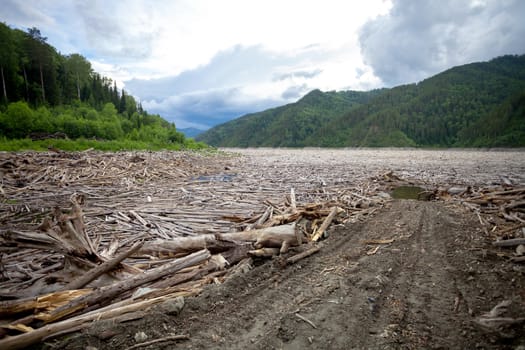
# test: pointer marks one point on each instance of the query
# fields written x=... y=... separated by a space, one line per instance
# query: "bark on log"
x=109 y=292
x=102 y=268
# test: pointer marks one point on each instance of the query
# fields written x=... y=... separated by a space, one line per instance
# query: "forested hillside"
x=290 y=125
x=44 y=92
x=478 y=104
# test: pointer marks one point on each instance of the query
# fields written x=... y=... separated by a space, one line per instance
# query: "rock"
x=456 y=190
x=171 y=306
x=140 y=337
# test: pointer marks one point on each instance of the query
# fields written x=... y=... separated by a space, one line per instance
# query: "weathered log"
x=275 y=237
x=102 y=268
x=515 y=204
x=293 y=202
x=43 y=302
x=324 y=226
x=24 y=340
x=518 y=259
x=264 y=252
x=510 y=229
x=73 y=224
x=35 y=240
x=160 y=340
x=107 y=293
x=509 y=242
x=302 y=255
x=283 y=238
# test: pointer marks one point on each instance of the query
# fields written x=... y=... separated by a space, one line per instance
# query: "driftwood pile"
x=501 y=212
x=91 y=236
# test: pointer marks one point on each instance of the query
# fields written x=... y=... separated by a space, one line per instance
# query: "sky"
x=199 y=63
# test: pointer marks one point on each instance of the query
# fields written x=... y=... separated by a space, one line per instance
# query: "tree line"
x=44 y=91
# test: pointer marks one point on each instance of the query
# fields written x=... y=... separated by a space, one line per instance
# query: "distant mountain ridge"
x=190 y=132
x=478 y=104
x=289 y=125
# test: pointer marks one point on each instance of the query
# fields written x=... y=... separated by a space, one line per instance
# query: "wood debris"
x=91 y=235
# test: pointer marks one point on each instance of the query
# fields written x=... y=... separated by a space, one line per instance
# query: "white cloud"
x=161 y=38
x=420 y=38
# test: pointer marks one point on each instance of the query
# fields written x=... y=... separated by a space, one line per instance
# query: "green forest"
x=49 y=95
x=474 y=105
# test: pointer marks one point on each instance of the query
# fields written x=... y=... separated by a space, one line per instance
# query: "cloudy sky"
x=202 y=62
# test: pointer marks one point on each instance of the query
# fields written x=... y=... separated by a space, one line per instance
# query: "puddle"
x=408 y=192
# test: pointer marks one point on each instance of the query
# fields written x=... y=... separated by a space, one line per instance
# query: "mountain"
x=190 y=132
x=478 y=104
x=287 y=126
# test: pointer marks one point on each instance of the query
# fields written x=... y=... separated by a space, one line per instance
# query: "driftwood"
x=102 y=268
x=178 y=203
x=495 y=319
x=37 y=335
x=43 y=302
x=295 y=258
x=509 y=242
x=282 y=237
x=264 y=252
x=317 y=234
x=108 y=293
x=161 y=340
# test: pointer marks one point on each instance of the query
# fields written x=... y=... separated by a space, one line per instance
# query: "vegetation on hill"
x=287 y=126
x=45 y=93
x=478 y=104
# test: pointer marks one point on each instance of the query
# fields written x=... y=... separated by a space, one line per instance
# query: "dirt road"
x=423 y=290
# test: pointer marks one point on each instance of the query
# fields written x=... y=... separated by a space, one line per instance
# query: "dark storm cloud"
x=207 y=108
x=420 y=38
x=214 y=93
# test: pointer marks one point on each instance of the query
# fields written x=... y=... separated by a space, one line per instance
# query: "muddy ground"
x=425 y=290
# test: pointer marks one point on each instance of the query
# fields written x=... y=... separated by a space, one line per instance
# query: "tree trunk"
x=3 y=83
x=25 y=81
x=78 y=87
x=42 y=83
